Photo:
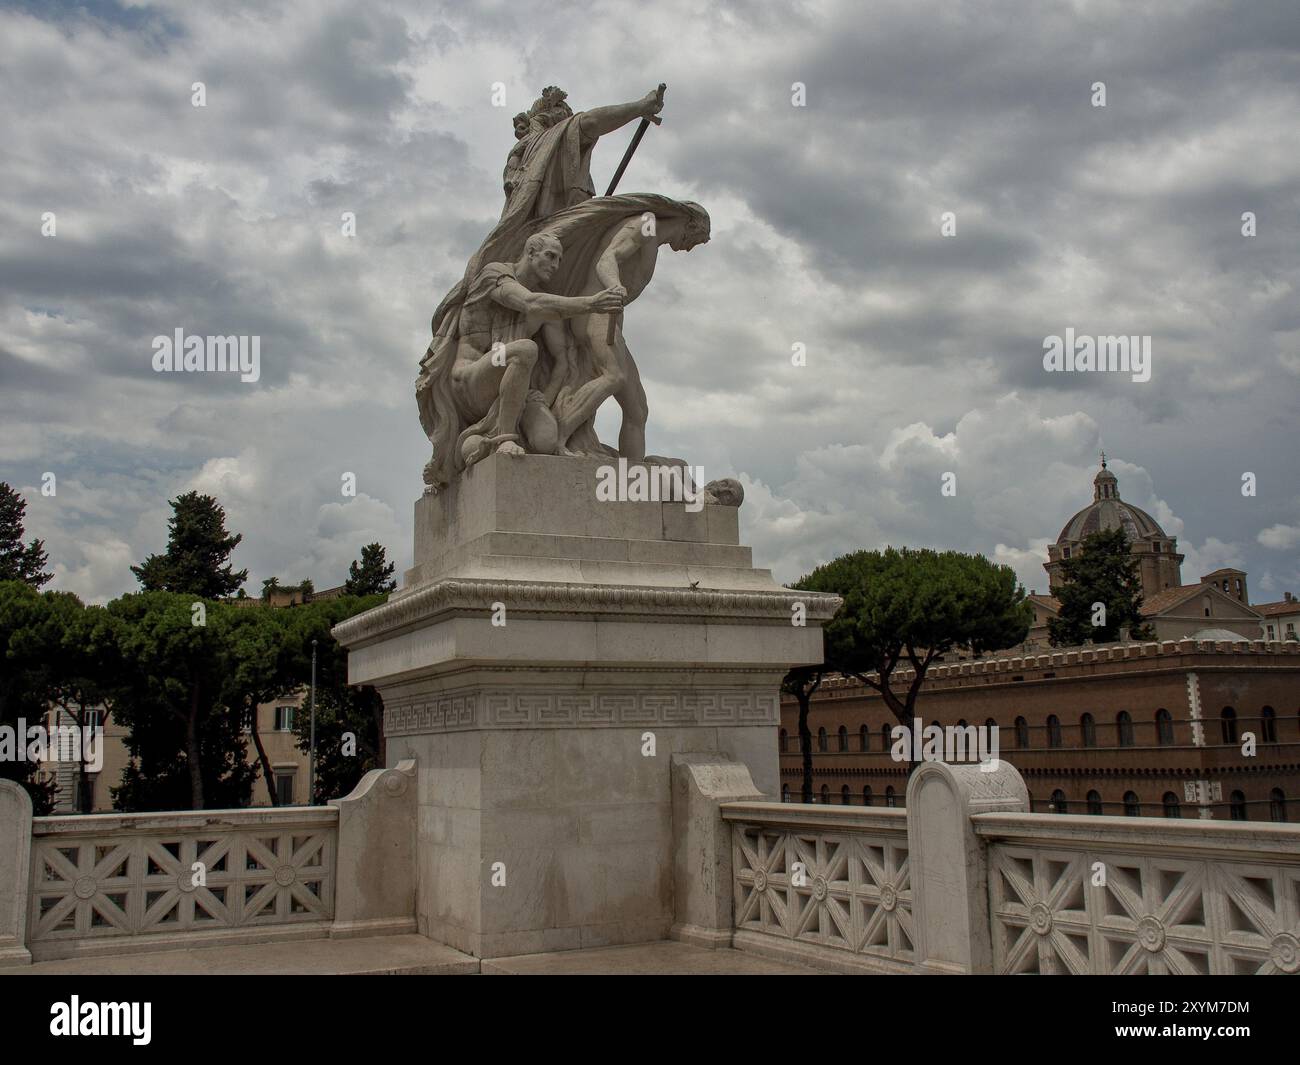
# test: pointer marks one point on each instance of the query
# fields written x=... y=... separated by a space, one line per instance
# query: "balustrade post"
x=15 y=857
x=950 y=893
x=702 y=911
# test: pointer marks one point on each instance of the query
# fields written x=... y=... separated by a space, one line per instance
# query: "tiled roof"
x=1168 y=598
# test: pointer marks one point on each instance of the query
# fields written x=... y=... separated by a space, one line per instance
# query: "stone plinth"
x=546 y=658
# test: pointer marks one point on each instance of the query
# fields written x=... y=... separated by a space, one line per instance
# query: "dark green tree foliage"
x=198 y=547
x=1103 y=571
x=79 y=660
x=373 y=575
x=186 y=747
x=19 y=562
x=24 y=615
x=905 y=606
x=340 y=709
x=55 y=653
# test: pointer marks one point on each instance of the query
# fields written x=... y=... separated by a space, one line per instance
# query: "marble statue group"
x=529 y=343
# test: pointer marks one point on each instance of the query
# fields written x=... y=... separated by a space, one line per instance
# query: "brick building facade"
x=1142 y=729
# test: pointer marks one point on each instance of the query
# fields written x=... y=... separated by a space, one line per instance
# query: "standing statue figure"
x=528 y=344
x=629 y=250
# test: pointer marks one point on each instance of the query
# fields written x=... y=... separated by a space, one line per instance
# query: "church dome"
x=1107 y=512
x=1220 y=636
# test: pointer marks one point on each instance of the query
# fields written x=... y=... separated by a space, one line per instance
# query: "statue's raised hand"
x=609 y=301
x=653 y=102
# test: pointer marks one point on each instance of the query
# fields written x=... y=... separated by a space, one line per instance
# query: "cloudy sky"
x=924 y=351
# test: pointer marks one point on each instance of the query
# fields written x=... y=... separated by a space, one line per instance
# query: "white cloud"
x=924 y=352
x=1280 y=537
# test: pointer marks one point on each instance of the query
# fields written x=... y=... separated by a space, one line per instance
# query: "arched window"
x=1132 y=808
x=1088 y=730
x=866 y=795
x=785 y=792
x=1124 y=727
x=1094 y=802
x=1237 y=806
x=1268 y=724
x=1022 y=732
x=1170 y=801
x=846 y=797
x=961 y=722
x=1059 y=803
x=992 y=727
x=1164 y=728
x=1277 y=805
x=785 y=741
x=821 y=740
x=886 y=737
x=864 y=738
x=889 y=795
x=1228 y=721
x=844 y=739
x=826 y=795
x=1053 y=731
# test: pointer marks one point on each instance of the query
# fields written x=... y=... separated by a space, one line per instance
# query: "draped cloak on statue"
x=556 y=172
x=553 y=193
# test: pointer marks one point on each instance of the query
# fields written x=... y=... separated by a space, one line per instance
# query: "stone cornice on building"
x=1119 y=660
x=421 y=605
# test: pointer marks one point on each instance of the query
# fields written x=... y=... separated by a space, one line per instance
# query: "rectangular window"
x=284 y=719
x=1270 y=632
x=284 y=789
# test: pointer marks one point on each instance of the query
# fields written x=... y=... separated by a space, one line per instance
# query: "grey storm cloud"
x=924 y=351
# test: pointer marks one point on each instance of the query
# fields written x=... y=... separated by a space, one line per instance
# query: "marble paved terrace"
x=414 y=955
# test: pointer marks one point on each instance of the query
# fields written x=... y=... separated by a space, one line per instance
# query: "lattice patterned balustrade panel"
x=1052 y=913
x=141 y=883
x=852 y=891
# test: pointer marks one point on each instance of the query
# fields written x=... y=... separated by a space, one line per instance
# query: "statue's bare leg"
x=636 y=412
x=486 y=380
x=539 y=426
x=585 y=401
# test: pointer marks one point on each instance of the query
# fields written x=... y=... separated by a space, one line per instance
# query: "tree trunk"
x=262 y=758
x=192 y=750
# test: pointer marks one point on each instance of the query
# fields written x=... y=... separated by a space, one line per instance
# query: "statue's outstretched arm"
x=549 y=307
x=601 y=120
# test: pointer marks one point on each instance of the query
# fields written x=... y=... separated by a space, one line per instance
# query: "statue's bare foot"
x=510 y=448
x=570 y=453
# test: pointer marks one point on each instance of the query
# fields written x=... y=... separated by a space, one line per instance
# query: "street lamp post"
x=311 y=762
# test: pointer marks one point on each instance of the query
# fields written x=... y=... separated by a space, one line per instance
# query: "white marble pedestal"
x=546 y=657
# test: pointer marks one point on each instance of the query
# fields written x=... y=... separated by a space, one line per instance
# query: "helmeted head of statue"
x=549 y=108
